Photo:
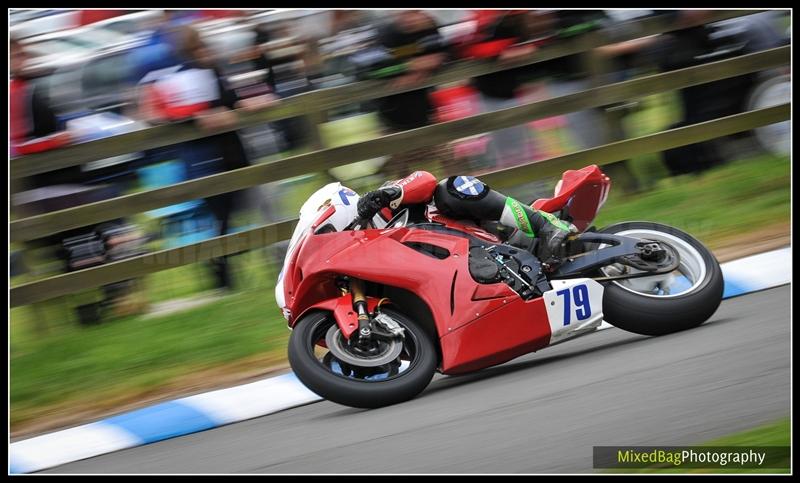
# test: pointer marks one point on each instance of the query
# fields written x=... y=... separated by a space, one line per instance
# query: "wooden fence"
x=317 y=102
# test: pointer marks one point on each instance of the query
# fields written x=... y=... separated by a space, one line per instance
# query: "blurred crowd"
x=111 y=61
x=79 y=75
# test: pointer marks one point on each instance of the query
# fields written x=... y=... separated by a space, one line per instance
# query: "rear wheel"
x=378 y=375
x=666 y=303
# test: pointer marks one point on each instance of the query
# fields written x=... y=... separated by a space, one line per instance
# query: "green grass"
x=720 y=204
x=657 y=112
x=777 y=433
x=79 y=365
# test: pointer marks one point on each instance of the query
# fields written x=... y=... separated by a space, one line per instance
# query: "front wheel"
x=666 y=303
x=369 y=377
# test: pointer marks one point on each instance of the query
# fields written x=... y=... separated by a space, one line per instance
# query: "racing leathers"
x=466 y=197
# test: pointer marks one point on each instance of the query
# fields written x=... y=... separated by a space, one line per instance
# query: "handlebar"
x=358 y=224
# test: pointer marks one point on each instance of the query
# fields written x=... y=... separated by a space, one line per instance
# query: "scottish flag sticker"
x=468 y=185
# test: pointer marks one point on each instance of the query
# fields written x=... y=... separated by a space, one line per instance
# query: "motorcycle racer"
x=466 y=197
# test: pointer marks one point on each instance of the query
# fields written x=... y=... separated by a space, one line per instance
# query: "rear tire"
x=659 y=315
x=353 y=392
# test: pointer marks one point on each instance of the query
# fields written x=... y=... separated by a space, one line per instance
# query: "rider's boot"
x=552 y=233
x=545 y=233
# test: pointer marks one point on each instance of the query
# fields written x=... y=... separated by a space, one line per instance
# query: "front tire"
x=353 y=386
x=643 y=306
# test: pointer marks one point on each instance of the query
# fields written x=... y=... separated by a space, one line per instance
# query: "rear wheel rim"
x=687 y=278
x=408 y=358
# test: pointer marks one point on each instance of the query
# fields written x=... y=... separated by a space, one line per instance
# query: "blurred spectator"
x=569 y=74
x=35 y=128
x=413 y=38
x=195 y=89
x=759 y=30
x=349 y=19
x=33 y=124
x=285 y=79
x=505 y=36
x=262 y=61
x=159 y=50
x=315 y=29
x=696 y=45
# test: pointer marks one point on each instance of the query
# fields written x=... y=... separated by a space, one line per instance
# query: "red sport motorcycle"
x=375 y=313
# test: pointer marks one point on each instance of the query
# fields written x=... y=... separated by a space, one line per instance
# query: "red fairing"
x=342 y=308
x=515 y=328
x=476 y=231
x=444 y=285
x=581 y=194
x=418 y=187
x=479 y=325
x=293 y=276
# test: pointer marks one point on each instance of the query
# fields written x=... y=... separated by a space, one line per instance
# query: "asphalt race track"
x=541 y=413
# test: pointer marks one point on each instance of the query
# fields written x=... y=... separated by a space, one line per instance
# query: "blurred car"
x=282 y=15
x=91 y=37
x=51 y=51
x=18 y=15
x=54 y=46
x=29 y=23
x=92 y=95
x=93 y=82
x=134 y=23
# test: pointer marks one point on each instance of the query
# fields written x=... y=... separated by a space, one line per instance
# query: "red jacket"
x=418 y=187
x=33 y=125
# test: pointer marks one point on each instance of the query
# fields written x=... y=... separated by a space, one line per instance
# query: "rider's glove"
x=374 y=201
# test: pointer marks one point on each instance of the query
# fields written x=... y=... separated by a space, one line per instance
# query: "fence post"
x=600 y=67
x=314 y=119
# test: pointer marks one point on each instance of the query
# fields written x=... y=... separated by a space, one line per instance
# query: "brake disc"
x=390 y=350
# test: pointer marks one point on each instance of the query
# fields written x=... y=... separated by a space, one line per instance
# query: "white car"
x=136 y=23
x=88 y=38
x=32 y=23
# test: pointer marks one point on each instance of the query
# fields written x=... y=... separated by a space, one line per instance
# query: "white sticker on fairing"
x=574 y=307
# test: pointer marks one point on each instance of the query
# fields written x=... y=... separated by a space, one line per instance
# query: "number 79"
x=580 y=293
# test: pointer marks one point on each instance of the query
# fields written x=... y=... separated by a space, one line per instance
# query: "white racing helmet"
x=345 y=204
x=343 y=199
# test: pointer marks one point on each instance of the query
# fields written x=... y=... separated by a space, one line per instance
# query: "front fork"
x=372 y=326
x=360 y=306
